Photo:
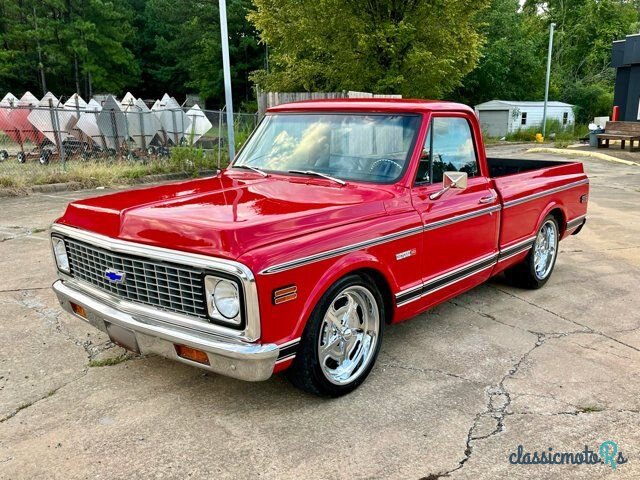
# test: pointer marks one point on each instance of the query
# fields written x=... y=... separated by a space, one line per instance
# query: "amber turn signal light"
x=192 y=354
x=78 y=310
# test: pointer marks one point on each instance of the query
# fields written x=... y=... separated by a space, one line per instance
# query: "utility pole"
x=546 y=87
x=226 y=66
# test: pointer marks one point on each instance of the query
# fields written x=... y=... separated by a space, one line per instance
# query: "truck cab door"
x=461 y=226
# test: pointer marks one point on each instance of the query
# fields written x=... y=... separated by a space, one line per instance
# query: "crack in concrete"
x=427 y=370
x=498 y=401
x=533 y=332
x=612 y=249
x=498 y=398
x=13 y=290
x=575 y=413
x=49 y=394
x=52 y=317
x=589 y=330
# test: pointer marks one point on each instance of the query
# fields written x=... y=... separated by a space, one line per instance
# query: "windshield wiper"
x=318 y=174
x=249 y=167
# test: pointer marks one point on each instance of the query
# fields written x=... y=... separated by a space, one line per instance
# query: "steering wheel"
x=384 y=167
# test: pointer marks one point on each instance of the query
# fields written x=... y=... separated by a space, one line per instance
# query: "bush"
x=592 y=100
x=190 y=159
x=567 y=134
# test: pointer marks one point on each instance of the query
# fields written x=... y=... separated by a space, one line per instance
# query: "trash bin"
x=593 y=136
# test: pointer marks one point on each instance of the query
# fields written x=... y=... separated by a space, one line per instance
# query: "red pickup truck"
x=335 y=219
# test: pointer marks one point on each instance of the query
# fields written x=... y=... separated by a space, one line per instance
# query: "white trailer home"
x=500 y=117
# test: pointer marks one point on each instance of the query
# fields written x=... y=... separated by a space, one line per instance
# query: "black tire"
x=524 y=274
x=45 y=156
x=21 y=157
x=3 y=155
x=306 y=372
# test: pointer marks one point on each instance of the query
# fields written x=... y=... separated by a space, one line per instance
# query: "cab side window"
x=448 y=148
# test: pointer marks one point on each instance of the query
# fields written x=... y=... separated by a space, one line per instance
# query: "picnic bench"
x=623 y=131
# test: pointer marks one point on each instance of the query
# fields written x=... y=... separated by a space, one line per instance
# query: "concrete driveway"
x=455 y=391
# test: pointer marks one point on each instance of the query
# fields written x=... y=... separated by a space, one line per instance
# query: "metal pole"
x=219 y=136
x=546 y=87
x=227 y=77
x=55 y=123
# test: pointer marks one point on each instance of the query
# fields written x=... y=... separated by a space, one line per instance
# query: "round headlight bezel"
x=215 y=314
x=222 y=292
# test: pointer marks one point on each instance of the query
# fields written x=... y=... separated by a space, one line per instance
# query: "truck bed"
x=501 y=167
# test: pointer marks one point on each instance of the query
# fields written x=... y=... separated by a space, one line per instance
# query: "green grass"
x=103 y=172
x=590 y=409
x=564 y=135
x=108 y=362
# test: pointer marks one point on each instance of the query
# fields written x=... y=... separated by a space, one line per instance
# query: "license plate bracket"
x=122 y=337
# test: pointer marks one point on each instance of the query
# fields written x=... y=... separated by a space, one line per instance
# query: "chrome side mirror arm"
x=451 y=180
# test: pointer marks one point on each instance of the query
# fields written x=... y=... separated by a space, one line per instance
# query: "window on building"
x=524 y=118
x=565 y=118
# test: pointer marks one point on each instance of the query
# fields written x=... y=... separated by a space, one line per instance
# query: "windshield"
x=359 y=147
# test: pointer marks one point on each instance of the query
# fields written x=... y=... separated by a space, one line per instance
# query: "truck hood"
x=227 y=215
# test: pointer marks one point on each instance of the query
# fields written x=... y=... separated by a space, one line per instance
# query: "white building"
x=500 y=117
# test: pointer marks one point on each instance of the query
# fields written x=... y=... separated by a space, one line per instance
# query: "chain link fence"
x=114 y=134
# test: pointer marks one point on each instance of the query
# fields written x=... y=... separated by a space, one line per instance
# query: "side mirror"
x=451 y=180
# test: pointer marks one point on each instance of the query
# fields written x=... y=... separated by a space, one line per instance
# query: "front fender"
x=285 y=322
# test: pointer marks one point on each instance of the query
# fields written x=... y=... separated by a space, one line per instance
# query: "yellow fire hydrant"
x=539 y=138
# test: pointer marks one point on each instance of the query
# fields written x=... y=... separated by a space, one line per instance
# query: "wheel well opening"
x=385 y=290
x=559 y=216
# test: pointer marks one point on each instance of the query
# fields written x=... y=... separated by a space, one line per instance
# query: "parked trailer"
x=88 y=125
x=21 y=130
x=142 y=125
x=113 y=127
x=55 y=122
x=199 y=124
x=6 y=105
x=175 y=123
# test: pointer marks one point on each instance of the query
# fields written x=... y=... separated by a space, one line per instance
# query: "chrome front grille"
x=167 y=286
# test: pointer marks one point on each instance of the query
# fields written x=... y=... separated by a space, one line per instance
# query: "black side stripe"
x=441 y=281
x=575 y=222
x=288 y=351
x=516 y=249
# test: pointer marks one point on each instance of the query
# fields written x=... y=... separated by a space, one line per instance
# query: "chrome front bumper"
x=230 y=357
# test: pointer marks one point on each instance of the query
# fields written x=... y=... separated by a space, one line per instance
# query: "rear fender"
x=553 y=205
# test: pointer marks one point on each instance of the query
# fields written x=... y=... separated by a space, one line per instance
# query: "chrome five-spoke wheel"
x=342 y=338
x=349 y=335
x=536 y=268
x=544 y=249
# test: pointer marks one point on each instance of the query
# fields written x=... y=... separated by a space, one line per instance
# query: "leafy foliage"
x=95 y=35
x=415 y=48
x=514 y=56
x=456 y=49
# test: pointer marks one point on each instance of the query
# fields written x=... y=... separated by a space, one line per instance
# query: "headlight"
x=223 y=300
x=60 y=254
x=226 y=299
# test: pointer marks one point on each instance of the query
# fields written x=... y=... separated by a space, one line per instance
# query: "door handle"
x=488 y=199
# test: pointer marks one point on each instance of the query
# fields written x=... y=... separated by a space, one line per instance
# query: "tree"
x=512 y=66
x=385 y=46
x=186 y=53
x=77 y=39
